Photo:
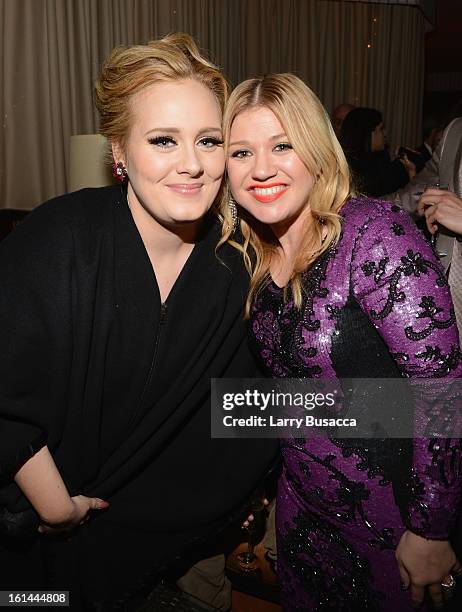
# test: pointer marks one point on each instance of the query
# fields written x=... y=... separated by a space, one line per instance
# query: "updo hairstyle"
x=129 y=70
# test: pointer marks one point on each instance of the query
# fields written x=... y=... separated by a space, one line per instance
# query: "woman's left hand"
x=426 y=563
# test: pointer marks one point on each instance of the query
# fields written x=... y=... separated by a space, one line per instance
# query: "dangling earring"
x=119 y=171
x=233 y=211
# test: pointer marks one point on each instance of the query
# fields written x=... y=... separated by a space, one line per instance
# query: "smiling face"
x=266 y=176
x=174 y=154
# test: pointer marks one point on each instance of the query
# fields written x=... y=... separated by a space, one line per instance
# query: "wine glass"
x=247 y=559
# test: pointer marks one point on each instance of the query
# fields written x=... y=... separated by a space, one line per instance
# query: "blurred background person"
x=440 y=170
x=432 y=131
x=338 y=116
x=363 y=138
x=441 y=207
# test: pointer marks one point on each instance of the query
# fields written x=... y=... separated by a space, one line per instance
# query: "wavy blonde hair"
x=312 y=137
x=128 y=70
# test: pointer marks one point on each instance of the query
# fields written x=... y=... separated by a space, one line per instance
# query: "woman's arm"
x=42 y=484
x=402 y=288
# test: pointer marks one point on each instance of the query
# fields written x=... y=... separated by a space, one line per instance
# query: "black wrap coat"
x=118 y=386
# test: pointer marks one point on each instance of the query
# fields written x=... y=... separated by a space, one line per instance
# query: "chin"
x=267 y=217
x=188 y=219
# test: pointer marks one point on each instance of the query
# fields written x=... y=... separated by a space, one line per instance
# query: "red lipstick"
x=268 y=192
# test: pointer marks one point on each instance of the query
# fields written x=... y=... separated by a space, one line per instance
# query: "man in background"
x=432 y=131
x=436 y=194
x=442 y=206
x=338 y=116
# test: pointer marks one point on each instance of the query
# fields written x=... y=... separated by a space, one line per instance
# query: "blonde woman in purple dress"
x=342 y=286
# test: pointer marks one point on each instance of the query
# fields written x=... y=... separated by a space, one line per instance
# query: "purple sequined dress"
x=377 y=305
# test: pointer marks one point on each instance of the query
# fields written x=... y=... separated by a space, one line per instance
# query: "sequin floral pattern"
x=377 y=305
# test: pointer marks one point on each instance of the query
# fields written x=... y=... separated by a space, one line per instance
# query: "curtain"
x=362 y=53
x=428 y=7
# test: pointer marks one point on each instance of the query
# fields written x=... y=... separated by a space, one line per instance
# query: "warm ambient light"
x=88 y=164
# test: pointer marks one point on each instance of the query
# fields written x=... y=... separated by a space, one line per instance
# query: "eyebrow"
x=245 y=142
x=173 y=130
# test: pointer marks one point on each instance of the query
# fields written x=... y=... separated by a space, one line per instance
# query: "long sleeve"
x=86 y=368
x=35 y=324
x=401 y=287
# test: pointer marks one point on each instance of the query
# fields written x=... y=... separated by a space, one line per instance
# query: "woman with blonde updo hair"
x=115 y=313
x=342 y=287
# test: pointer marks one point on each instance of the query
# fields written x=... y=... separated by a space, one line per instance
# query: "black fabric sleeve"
x=20 y=441
x=35 y=324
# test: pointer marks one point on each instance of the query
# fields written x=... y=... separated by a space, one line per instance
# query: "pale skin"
x=175 y=163
x=441 y=206
x=41 y=482
x=260 y=157
x=256 y=158
x=184 y=120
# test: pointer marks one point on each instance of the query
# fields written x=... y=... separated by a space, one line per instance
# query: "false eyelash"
x=216 y=141
x=160 y=139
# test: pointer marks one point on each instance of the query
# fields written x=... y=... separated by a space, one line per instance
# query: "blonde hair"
x=128 y=70
x=311 y=135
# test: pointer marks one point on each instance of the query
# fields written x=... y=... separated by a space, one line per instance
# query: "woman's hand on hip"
x=426 y=563
x=80 y=512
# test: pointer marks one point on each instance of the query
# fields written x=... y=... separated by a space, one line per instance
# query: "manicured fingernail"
x=404 y=587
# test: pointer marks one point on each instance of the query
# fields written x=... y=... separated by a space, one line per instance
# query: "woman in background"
x=363 y=139
x=115 y=314
x=342 y=287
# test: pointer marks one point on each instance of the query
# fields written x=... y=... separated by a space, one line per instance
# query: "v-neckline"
x=189 y=262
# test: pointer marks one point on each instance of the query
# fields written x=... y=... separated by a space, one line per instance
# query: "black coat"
x=91 y=365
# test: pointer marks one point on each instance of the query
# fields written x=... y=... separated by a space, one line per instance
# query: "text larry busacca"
x=263 y=401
